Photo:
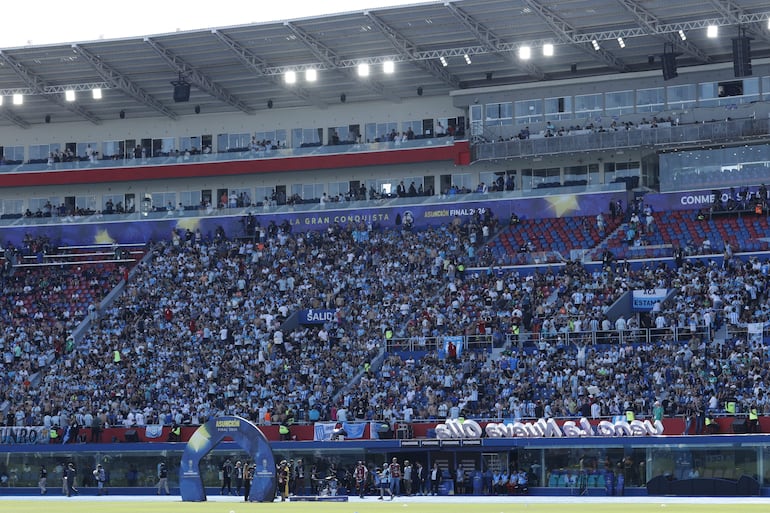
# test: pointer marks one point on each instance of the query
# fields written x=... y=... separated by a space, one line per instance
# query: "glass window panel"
x=370 y=132
x=189 y=143
x=529 y=111
x=650 y=100
x=618 y=103
x=463 y=181
x=708 y=94
x=164 y=200
x=416 y=126
x=39 y=152
x=558 y=108
x=683 y=463
x=13 y=206
x=238 y=142
x=475 y=110
x=682 y=96
x=750 y=90
x=86 y=203
x=83 y=149
x=498 y=111
x=190 y=198
x=112 y=149
x=262 y=194
x=222 y=144
x=586 y=104
x=338 y=190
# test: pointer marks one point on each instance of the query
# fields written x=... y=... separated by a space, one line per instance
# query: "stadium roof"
x=242 y=68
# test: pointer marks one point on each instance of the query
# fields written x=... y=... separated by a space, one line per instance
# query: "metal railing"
x=752 y=332
x=613 y=336
x=469 y=342
x=225 y=156
x=653 y=137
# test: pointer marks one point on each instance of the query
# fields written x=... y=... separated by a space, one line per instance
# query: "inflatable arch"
x=249 y=438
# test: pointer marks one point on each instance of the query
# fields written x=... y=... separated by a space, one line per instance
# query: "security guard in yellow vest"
x=753 y=426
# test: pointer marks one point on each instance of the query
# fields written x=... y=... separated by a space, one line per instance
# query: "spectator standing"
x=395 y=478
x=69 y=479
x=248 y=476
x=162 y=478
x=100 y=476
x=43 y=481
x=226 y=471
x=383 y=477
x=435 y=479
x=407 y=477
x=238 y=474
x=360 y=474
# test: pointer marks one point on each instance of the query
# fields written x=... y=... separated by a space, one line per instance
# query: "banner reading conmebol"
x=419 y=215
x=688 y=200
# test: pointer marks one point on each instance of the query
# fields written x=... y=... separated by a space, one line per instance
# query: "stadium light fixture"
x=96 y=93
x=290 y=77
x=712 y=31
x=525 y=52
x=311 y=75
x=621 y=42
x=363 y=70
x=1 y=101
x=18 y=99
x=682 y=35
x=69 y=95
x=443 y=61
x=388 y=67
x=595 y=44
x=467 y=59
x=548 y=50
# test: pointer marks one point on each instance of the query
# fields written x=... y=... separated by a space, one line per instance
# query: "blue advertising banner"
x=420 y=215
x=312 y=316
x=644 y=300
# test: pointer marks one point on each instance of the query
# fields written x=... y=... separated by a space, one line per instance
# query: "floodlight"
x=388 y=67
x=96 y=93
x=548 y=50
x=18 y=99
x=69 y=95
x=290 y=77
x=363 y=70
x=712 y=31
x=525 y=52
x=311 y=75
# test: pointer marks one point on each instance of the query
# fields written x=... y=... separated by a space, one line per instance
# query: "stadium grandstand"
x=363 y=230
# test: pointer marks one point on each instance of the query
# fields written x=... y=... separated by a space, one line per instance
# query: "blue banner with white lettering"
x=316 y=316
x=644 y=300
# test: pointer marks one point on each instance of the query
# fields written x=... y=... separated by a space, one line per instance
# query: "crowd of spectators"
x=198 y=332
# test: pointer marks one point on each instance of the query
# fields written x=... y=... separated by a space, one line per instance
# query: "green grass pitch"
x=519 y=505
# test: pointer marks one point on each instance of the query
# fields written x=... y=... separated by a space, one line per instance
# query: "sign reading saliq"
x=545 y=428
